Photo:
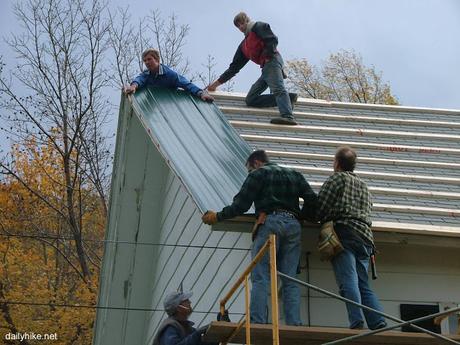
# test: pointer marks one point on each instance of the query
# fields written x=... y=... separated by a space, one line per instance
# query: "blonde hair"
x=241 y=18
x=155 y=53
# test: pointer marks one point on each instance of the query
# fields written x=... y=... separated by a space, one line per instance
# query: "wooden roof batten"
x=337 y=117
x=357 y=144
x=365 y=159
x=378 y=175
x=351 y=131
x=361 y=106
x=404 y=192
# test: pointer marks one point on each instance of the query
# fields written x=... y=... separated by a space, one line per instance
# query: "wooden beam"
x=403 y=192
x=361 y=132
x=377 y=175
x=337 y=117
x=356 y=144
x=363 y=159
x=238 y=96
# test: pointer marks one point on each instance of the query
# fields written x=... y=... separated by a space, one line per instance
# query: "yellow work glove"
x=210 y=217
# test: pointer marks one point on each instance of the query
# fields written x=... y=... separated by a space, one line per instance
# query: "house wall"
x=183 y=262
x=406 y=274
x=138 y=184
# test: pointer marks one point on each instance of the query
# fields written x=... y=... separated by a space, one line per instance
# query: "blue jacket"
x=174 y=332
x=174 y=336
x=166 y=77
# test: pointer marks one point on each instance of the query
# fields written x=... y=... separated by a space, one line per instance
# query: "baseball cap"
x=173 y=299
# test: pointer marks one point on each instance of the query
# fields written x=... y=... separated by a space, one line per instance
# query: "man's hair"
x=241 y=18
x=155 y=53
x=259 y=155
x=346 y=158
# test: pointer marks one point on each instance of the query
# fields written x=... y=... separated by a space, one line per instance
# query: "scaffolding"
x=298 y=331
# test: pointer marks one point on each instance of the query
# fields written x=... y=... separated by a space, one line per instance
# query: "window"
x=414 y=311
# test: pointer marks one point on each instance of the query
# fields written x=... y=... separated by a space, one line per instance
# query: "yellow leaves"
x=44 y=269
x=342 y=77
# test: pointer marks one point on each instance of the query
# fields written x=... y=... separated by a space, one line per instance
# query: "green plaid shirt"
x=345 y=199
x=270 y=188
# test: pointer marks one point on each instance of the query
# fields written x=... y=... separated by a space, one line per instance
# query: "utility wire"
x=87 y=306
x=124 y=242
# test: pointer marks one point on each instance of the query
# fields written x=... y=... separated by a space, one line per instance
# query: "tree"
x=343 y=77
x=57 y=99
x=209 y=74
x=38 y=261
x=128 y=41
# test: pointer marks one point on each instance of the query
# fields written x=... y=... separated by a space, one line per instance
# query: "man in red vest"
x=259 y=45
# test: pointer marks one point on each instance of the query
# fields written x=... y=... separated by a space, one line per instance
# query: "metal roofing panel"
x=197 y=142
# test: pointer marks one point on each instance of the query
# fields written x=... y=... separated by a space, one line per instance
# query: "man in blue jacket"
x=159 y=75
x=177 y=329
x=260 y=46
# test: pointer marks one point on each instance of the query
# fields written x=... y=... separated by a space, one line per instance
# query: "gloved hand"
x=224 y=317
x=210 y=217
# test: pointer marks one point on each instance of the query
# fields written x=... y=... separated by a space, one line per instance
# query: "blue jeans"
x=351 y=273
x=287 y=231
x=272 y=77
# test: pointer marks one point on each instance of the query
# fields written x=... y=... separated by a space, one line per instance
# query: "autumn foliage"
x=38 y=264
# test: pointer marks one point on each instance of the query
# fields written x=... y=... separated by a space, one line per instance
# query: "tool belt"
x=259 y=221
x=328 y=242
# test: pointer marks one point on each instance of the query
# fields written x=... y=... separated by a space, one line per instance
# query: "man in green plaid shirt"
x=275 y=191
x=345 y=199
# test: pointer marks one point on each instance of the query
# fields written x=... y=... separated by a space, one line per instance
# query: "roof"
x=408 y=156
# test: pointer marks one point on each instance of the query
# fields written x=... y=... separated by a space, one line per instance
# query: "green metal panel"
x=197 y=142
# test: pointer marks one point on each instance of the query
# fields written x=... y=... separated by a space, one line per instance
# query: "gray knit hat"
x=173 y=300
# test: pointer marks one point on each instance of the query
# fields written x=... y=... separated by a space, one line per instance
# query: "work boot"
x=283 y=121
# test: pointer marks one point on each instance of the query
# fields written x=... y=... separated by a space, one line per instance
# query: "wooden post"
x=248 y=312
x=274 y=289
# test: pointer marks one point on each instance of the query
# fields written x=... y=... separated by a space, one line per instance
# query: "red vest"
x=253 y=48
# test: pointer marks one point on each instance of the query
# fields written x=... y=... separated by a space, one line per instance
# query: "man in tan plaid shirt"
x=345 y=199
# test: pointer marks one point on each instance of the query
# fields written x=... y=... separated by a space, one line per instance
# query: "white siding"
x=208 y=272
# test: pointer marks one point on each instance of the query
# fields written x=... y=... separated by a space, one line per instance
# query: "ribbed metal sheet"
x=197 y=142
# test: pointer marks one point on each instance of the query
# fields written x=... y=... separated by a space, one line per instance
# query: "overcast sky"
x=414 y=43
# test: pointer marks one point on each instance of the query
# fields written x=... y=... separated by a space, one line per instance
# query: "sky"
x=414 y=43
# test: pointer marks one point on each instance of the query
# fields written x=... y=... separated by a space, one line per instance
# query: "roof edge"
x=243 y=224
